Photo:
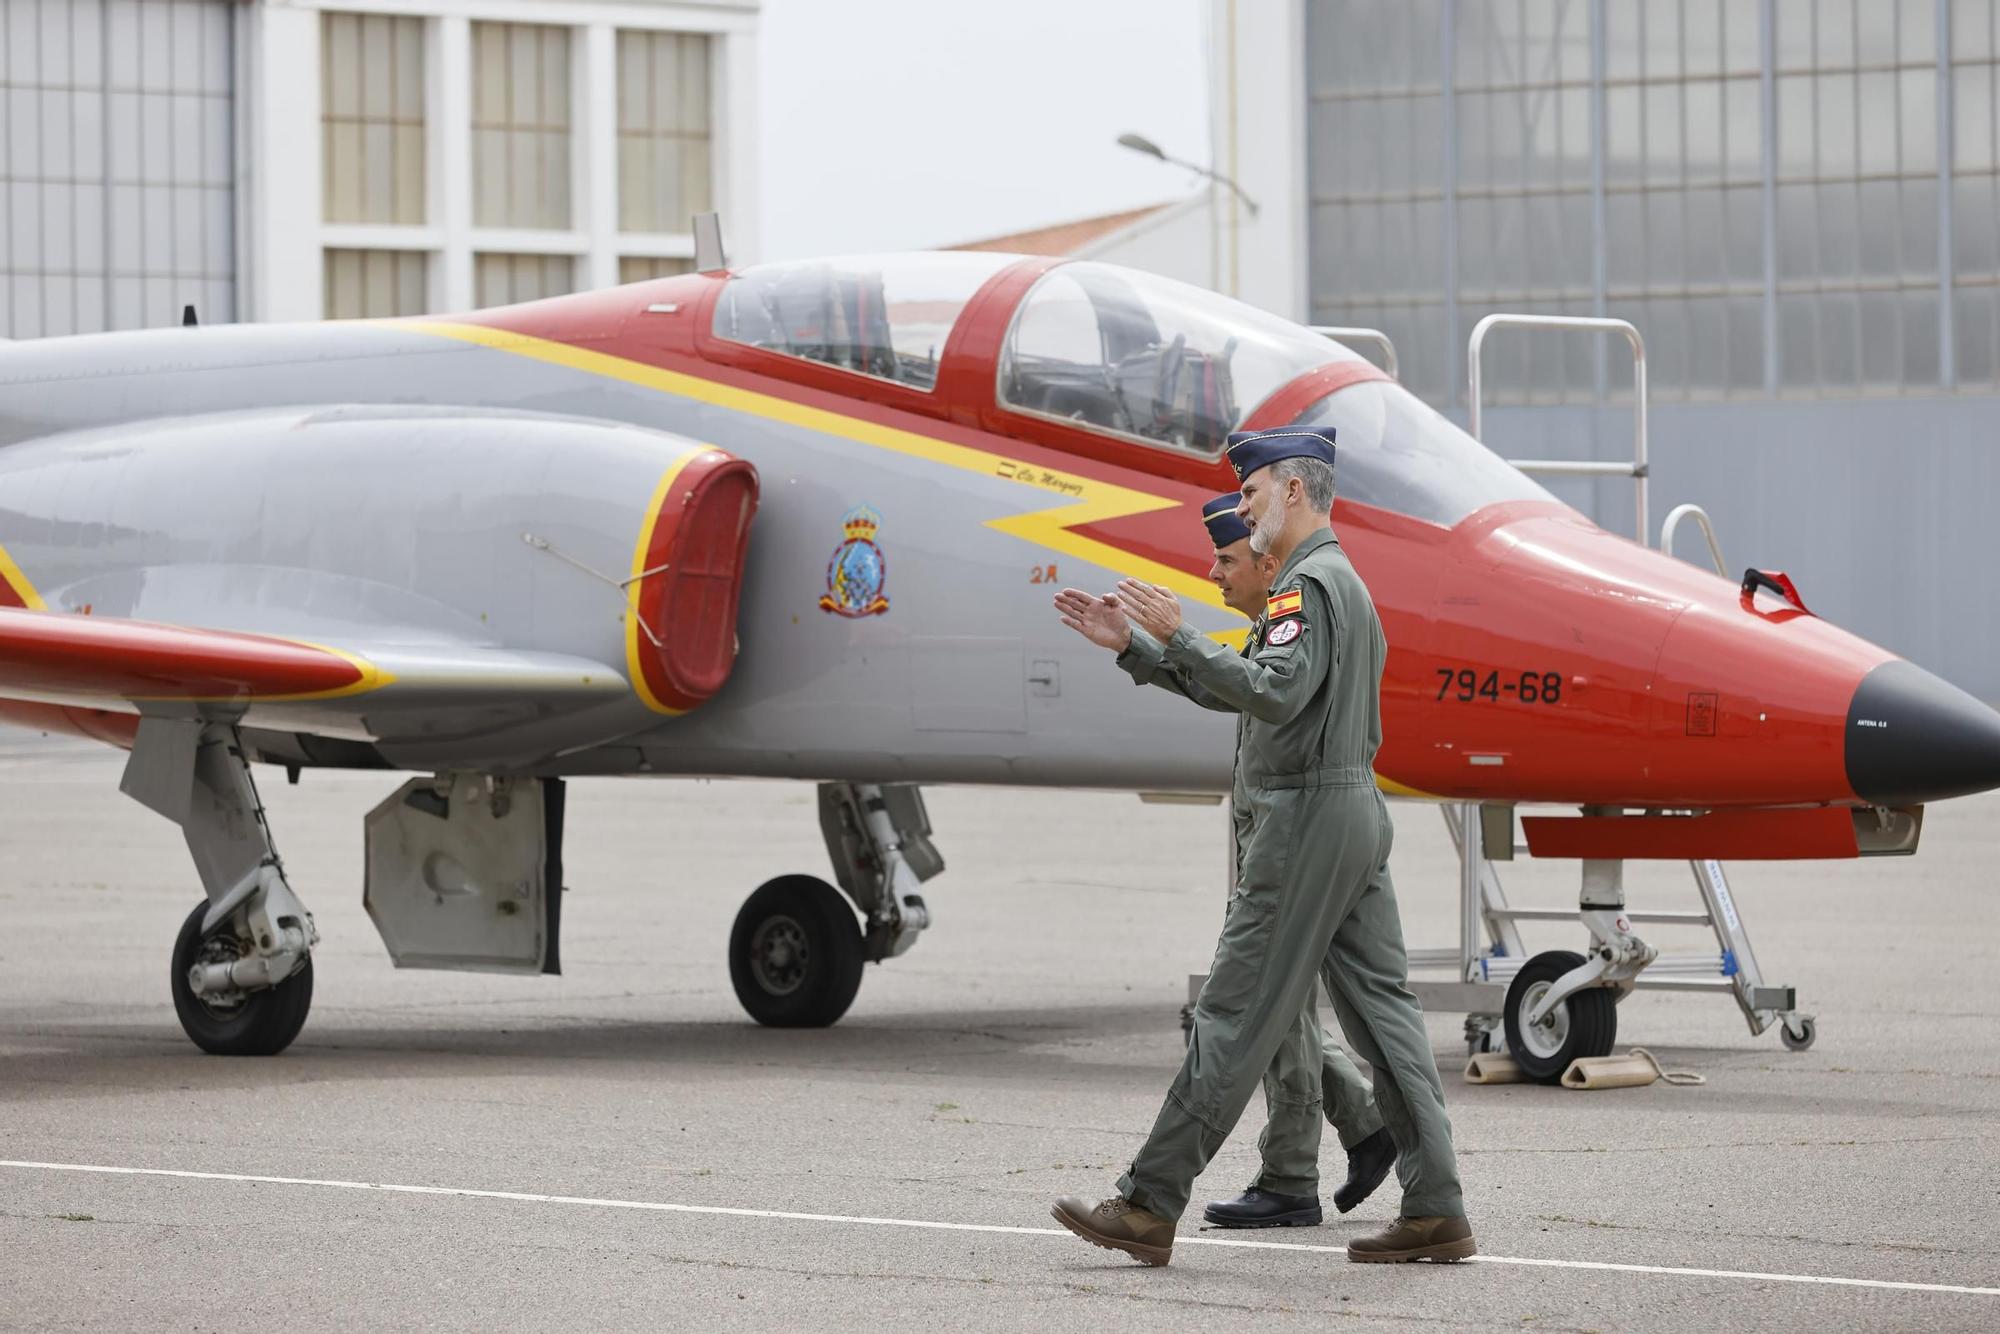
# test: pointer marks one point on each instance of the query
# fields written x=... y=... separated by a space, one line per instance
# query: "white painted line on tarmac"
x=655 y=1206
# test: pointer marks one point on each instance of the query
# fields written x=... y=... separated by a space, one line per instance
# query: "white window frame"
x=289 y=236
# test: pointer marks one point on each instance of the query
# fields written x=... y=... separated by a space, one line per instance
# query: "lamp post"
x=1139 y=143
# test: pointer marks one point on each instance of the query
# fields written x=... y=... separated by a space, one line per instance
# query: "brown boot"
x=1415 y=1239
x=1117 y=1224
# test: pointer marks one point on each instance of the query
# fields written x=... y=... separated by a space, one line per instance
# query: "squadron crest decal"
x=857 y=572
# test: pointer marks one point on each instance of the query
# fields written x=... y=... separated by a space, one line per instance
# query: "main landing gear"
x=241 y=973
x=796 y=951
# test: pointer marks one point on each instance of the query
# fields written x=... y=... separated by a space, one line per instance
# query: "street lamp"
x=1139 y=143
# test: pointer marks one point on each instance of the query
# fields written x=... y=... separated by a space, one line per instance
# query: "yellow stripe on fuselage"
x=11 y=575
x=1093 y=501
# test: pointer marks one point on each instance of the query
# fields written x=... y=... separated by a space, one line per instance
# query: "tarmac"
x=620 y=1148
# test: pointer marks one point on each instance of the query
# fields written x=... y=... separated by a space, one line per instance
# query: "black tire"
x=262 y=1023
x=1585 y=1024
x=795 y=953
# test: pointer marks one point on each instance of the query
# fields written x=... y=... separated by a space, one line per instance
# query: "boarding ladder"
x=1490 y=951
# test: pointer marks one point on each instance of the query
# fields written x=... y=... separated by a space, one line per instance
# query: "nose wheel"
x=795 y=954
x=1584 y=1023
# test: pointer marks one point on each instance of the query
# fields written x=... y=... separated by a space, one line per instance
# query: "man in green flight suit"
x=1313 y=895
x=1310 y=1071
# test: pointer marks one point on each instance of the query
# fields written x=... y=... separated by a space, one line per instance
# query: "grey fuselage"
x=371 y=486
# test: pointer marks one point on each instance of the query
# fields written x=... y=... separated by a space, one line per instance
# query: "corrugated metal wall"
x=1795 y=201
x=117 y=161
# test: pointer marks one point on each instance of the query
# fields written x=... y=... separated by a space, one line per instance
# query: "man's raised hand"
x=1098 y=619
x=1156 y=610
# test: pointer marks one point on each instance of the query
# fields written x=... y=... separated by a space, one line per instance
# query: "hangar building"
x=1797 y=202
x=292 y=159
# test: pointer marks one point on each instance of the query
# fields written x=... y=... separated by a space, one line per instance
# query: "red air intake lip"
x=695 y=561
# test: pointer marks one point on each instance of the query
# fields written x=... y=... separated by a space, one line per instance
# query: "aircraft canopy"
x=882 y=315
x=1139 y=355
x=1395 y=452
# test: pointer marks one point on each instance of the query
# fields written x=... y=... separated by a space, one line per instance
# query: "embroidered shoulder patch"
x=1285 y=604
x=1284 y=632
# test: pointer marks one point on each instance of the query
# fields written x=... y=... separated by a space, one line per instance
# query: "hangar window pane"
x=1975 y=194
x=664 y=131
x=1376 y=162
x=372 y=118
x=376 y=284
x=1523 y=97
x=1683 y=144
x=501 y=280
x=638 y=268
x=886 y=316
x=521 y=154
x=1857 y=196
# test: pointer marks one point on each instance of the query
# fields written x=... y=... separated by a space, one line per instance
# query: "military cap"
x=1251 y=450
x=1224 y=528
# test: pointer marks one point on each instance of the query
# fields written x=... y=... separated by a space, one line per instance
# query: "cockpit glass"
x=882 y=315
x=1138 y=355
x=1395 y=452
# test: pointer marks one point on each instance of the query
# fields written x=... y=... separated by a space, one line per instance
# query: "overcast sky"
x=903 y=124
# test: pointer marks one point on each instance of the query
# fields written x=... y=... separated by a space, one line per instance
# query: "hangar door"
x=117 y=155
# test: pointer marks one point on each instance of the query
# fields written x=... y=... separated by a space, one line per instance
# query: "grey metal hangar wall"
x=1798 y=205
x=117 y=153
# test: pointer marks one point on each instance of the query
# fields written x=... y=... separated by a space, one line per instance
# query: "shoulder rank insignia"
x=1285 y=604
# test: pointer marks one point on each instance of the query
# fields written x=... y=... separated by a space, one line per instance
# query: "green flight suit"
x=1310 y=1073
x=1313 y=894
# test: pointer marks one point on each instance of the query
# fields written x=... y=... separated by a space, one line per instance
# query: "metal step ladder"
x=1483 y=972
x=1490 y=951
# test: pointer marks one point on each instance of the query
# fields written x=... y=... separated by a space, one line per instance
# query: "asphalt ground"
x=620 y=1148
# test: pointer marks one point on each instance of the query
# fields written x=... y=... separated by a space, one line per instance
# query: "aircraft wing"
x=374 y=691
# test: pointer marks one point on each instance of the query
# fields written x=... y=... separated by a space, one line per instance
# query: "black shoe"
x=1367 y=1163
x=1263 y=1208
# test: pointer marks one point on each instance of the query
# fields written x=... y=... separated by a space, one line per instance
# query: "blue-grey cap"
x=1251 y=450
x=1224 y=528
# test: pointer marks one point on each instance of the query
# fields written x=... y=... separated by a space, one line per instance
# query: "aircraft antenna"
x=708 y=243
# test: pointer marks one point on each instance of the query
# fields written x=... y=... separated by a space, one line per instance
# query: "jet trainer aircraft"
x=504 y=549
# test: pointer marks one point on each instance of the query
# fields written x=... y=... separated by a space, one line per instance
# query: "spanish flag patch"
x=1285 y=604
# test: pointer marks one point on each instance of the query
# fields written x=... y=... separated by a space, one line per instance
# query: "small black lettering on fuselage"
x=1467 y=685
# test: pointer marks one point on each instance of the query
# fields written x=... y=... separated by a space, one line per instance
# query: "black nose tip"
x=1912 y=737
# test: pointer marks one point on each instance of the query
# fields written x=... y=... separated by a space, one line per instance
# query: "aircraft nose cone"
x=1912 y=737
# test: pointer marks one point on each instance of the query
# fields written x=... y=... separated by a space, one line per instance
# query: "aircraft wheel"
x=1584 y=1024
x=255 y=1023
x=795 y=953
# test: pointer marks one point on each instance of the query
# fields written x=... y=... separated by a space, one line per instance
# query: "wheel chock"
x=1490 y=1067
x=1636 y=1069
